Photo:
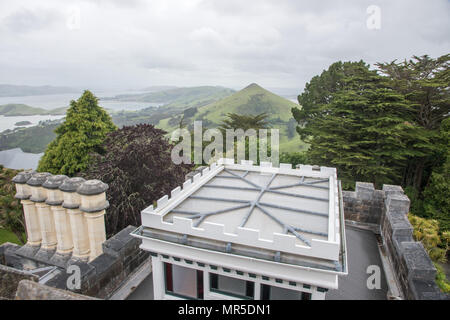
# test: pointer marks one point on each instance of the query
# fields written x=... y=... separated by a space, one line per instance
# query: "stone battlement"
x=387 y=211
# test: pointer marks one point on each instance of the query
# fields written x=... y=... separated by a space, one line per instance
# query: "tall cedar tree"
x=354 y=122
x=137 y=166
x=82 y=132
x=425 y=83
x=436 y=199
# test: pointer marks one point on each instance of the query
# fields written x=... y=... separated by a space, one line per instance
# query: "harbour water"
x=17 y=159
x=9 y=122
x=63 y=100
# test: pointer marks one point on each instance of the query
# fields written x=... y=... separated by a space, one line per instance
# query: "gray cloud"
x=232 y=43
x=25 y=20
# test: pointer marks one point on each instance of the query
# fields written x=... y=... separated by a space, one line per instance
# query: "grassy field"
x=8 y=236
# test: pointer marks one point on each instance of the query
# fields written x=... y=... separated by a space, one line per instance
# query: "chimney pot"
x=71 y=185
x=92 y=187
x=22 y=177
x=53 y=182
x=37 y=179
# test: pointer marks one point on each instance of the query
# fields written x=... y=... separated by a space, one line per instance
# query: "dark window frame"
x=213 y=287
x=168 y=282
x=266 y=292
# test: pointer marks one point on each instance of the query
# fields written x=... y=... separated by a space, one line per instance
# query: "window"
x=232 y=286
x=183 y=282
x=276 y=293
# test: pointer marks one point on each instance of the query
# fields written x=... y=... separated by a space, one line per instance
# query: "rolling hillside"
x=179 y=97
x=15 y=110
x=254 y=100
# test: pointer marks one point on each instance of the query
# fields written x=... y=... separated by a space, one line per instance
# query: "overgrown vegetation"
x=12 y=226
x=294 y=158
x=435 y=242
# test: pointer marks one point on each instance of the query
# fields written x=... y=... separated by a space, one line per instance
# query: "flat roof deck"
x=270 y=203
x=280 y=214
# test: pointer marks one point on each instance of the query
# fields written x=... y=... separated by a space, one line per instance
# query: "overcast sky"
x=277 y=43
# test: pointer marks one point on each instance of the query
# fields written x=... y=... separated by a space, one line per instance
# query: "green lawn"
x=8 y=236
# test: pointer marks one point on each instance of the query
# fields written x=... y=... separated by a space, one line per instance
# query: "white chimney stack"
x=93 y=205
x=55 y=199
x=32 y=225
x=45 y=215
x=66 y=214
x=78 y=223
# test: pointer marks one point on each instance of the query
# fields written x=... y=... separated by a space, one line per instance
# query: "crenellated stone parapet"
x=387 y=211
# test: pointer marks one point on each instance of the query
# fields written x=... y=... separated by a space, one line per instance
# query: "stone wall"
x=29 y=290
x=363 y=205
x=411 y=262
x=388 y=210
x=99 y=277
x=9 y=280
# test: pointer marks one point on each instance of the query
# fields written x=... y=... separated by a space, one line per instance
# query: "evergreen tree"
x=436 y=199
x=358 y=126
x=82 y=132
x=425 y=83
x=318 y=94
x=245 y=122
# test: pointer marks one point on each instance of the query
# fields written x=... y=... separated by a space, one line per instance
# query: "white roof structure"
x=280 y=214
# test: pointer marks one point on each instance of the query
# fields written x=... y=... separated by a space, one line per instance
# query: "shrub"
x=137 y=166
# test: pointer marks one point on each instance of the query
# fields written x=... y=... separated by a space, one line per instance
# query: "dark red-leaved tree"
x=138 y=168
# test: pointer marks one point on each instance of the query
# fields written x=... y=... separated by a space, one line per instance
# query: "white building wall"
x=159 y=290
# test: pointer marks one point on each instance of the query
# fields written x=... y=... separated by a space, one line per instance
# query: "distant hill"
x=15 y=110
x=33 y=139
x=9 y=90
x=157 y=88
x=179 y=97
x=253 y=100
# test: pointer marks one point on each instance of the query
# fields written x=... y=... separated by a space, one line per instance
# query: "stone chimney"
x=93 y=205
x=61 y=221
x=45 y=215
x=78 y=225
x=32 y=225
x=64 y=216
